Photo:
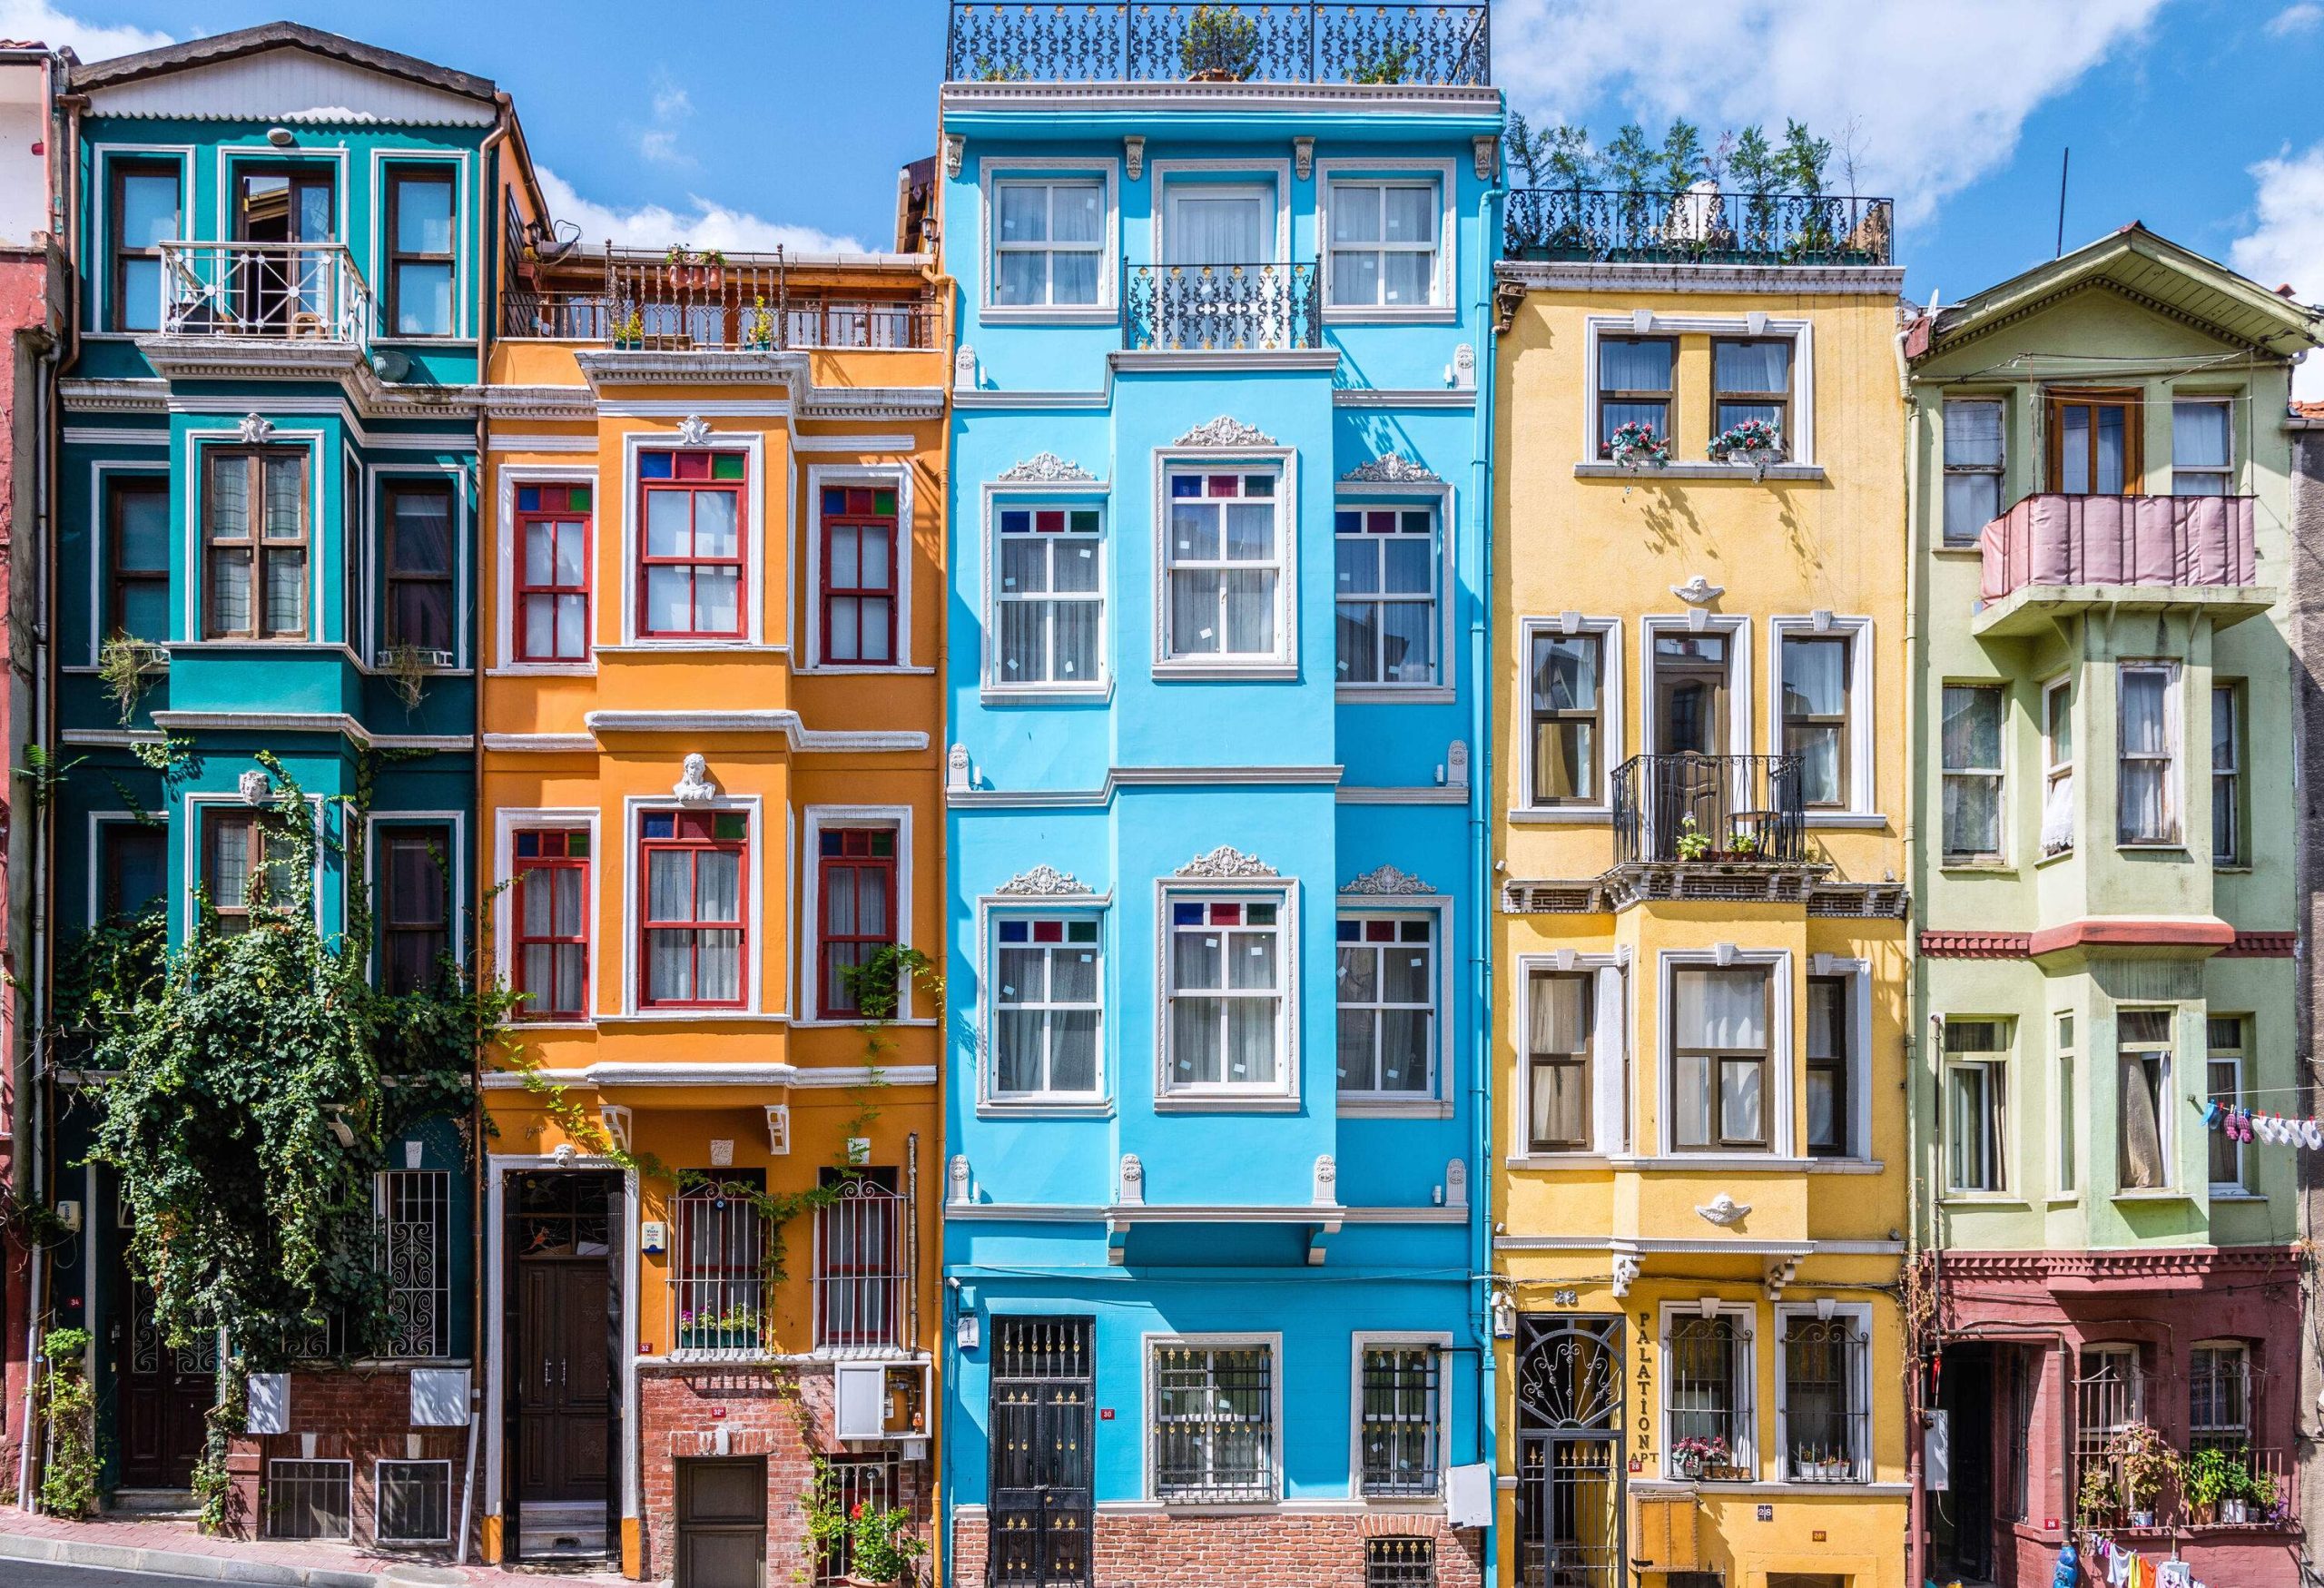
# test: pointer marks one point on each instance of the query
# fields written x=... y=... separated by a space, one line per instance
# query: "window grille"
x=858 y=1265
x=1400 y=1419
x=2109 y=1396
x=1214 y=1424
x=412 y=1212
x=2218 y=1397
x=1706 y=1411
x=1828 y=1415
x=309 y=1499
x=1399 y=1563
x=848 y=1482
x=718 y=1284
x=414 y=1502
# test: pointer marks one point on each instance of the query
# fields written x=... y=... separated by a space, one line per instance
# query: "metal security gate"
x=1040 y=1428
x=1570 y=1452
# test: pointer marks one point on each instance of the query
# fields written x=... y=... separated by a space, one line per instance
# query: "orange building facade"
x=712 y=606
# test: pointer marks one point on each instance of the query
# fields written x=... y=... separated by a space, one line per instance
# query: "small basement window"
x=414 y=1502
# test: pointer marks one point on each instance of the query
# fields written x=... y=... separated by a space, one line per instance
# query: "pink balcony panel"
x=2055 y=539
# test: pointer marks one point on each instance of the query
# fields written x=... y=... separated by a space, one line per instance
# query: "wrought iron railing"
x=295 y=292
x=1688 y=807
x=1219 y=41
x=718 y=1278
x=641 y=315
x=1708 y=1421
x=1699 y=226
x=1223 y=308
x=1827 y=1410
x=860 y=1269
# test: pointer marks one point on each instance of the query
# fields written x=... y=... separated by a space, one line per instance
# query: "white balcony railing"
x=287 y=291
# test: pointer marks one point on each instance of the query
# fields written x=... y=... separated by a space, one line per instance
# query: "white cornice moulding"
x=786 y=723
x=537 y=744
x=1585 y=276
x=1121 y=777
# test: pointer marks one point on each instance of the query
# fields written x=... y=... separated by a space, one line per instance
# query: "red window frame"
x=554 y=849
x=693 y=832
x=554 y=505
x=694 y=472
x=851 y=853
x=853 y=509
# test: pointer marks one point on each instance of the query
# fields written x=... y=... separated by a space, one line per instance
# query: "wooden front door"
x=164 y=1393
x=565 y=1383
x=722 y=1522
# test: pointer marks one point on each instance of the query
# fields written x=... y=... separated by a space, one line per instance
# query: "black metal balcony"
x=1699 y=226
x=1223 y=308
x=1209 y=41
x=1740 y=809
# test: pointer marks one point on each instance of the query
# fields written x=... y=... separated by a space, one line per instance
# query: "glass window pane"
x=423 y=215
x=1973 y=434
x=1411 y=215
x=1721 y=1008
x=1752 y=366
x=423 y=295
x=1972 y=728
x=1814 y=677
x=149 y=209
x=1626 y=364
x=1972 y=501
x=1355 y=212
x=1076 y=211
x=1024 y=213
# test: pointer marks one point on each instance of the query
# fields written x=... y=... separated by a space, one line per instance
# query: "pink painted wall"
x=2053 y=539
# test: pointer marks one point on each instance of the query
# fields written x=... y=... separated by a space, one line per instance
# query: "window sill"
x=1370 y=1108
x=822 y=1025
x=543 y=670
x=1224 y=1103
x=2053 y=859
x=1387 y=314
x=1965 y=553
x=2063 y=1199
x=1993 y=1200
x=1228 y=672
x=1553 y=1160
x=852 y=670
x=2233 y=869
x=646 y=648
x=1846 y=1166
x=1974 y=867
x=554 y=1025
x=1392 y=695
x=1048 y=314
x=1044 y=1109
x=2174 y=847
x=1777 y=473
x=1727 y=1162
x=1562 y=816
x=703 y=1015
x=1868 y=819
x=1065 y=695
x=2160 y=1194
x=2236 y=1194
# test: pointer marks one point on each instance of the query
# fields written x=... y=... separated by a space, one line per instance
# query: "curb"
x=211 y=1568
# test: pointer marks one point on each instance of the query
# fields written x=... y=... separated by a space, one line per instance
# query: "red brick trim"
x=2262 y=945
x=1974 y=945
x=2163 y=932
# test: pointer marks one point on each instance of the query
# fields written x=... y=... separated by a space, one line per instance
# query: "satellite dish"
x=392 y=365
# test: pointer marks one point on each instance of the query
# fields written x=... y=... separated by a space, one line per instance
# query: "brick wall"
x=1142 y=1551
x=362 y=1415
x=779 y=1413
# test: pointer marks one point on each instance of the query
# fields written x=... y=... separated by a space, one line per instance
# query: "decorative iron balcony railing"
x=2054 y=539
x=294 y=291
x=1223 y=308
x=1688 y=807
x=1207 y=41
x=685 y=303
x=1699 y=226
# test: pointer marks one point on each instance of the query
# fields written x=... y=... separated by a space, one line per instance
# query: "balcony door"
x=1217 y=224
x=282 y=288
x=1217 y=239
x=1691 y=694
x=2093 y=442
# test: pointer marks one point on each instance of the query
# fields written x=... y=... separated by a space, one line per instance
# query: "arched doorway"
x=1569 y=1384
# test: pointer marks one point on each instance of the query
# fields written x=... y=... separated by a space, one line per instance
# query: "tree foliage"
x=1564 y=157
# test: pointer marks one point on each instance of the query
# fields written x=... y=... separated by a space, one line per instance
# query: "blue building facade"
x=1215 y=1221
x=286 y=254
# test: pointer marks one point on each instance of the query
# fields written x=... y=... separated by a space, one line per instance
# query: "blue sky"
x=740 y=122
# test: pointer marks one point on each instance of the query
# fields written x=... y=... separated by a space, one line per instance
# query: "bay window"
x=2142 y=1045
x=2148 y=795
x=691 y=933
x=1972 y=771
x=1976 y=1101
x=1387 y=1004
x=255 y=537
x=553 y=573
x=1720 y=1059
x=1224 y=557
x=416 y=906
x=691 y=562
x=418 y=572
x=1225 y=989
x=2057 y=769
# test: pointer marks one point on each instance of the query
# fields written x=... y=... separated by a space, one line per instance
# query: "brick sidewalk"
x=24 y=1535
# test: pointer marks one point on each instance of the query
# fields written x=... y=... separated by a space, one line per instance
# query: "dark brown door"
x=164 y=1393
x=722 y=1522
x=566 y=1384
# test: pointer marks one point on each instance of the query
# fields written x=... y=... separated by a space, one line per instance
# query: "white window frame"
x=761 y=540
x=451 y=1491
x=990 y=176
x=2239 y=703
x=1800 y=448
x=1000 y=496
x=1738 y=630
x=506 y=478
x=1994 y=1076
x=2065 y=1103
x=2056 y=770
x=1745 y=1315
x=1284 y=1091
x=1282 y=462
x=756 y=993
x=1433 y=908
x=267 y=1533
x=2228 y=473
x=875 y=475
x=1274 y=176
x=1855 y=976
x=195 y=851
x=2239 y=1057
x=353 y=627
x=378 y=479
x=1364 y=1340
x=805 y=996
x=2166 y=1121
x=1443 y=175
x=2173 y=757
x=1609 y=1054
x=1860 y=806
x=507 y=821
x=1783 y=1060
x=454 y=906
x=992 y=912
x=1998 y=858
x=1858 y=1314
x=1356 y=497
x=1612 y=715
x=1999 y=469
x=1149 y=1431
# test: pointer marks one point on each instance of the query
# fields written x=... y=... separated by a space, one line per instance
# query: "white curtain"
x=2145 y=761
x=1722 y=1009
x=1633 y=366
x=1218 y=229
x=2057 y=815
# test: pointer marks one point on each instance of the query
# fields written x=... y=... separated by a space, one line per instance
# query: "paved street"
x=40 y=1574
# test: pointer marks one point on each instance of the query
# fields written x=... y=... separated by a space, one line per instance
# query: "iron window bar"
x=858 y=1280
x=1214 y=1424
x=718 y=1282
x=1399 y=1420
x=1828 y=1415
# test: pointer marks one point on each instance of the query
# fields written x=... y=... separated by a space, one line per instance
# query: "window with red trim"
x=690 y=562
x=551 y=616
x=858 y=887
x=551 y=923
x=693 y=934
x=860 y=575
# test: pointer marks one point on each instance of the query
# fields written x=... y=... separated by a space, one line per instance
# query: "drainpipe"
x=1915 y=1429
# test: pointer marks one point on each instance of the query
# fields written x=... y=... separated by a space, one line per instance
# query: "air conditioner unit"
x=880 y=1400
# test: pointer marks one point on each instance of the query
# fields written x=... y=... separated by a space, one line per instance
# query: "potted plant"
x=1394 y=63
x=1221 y=45
x=1694 y=843
x=2100 y=1501
x=629 y=330
x=1754 y=442
x=2147 y=1464
x=2209 y=1477
x=758 y=331
x=731 y=1329
x=1695 y=1456
x=1742 y=846
x=1634 y=446
x=878 y=1546
x=2258 y=1501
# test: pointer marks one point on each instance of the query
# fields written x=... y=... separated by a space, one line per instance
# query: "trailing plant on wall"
x=68 y=1484
x=126 y=667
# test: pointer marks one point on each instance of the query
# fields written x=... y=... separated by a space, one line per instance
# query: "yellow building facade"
x=1700 y=981
x=712 y=600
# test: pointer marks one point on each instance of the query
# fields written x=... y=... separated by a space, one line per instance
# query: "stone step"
x=153 y=1503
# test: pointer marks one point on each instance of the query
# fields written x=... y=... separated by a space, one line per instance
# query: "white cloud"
x=673 y=106
x=41 y=23
x=1938 y=94
x=703 y=224
x=2286 y=244
x=2300 y=18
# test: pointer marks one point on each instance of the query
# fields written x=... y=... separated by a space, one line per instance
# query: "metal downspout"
x=1487 y=1049
x=1915 y=1428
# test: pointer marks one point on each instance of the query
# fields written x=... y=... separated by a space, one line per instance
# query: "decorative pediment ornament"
x=1226 y=432
x=1387 y=879
x=694 y=430
x=255 y=788
x=694 y=786
x=1626 y=1272
x=1047 y=466
x=1043 y=882
x=956 y=1180
x=1226 y=861
x=1326 y=1189
x=955 y=147
x=1392 y=469
x=1133 y=1183
x=254 y=428
x=1698 y=591
x=1725 y=1211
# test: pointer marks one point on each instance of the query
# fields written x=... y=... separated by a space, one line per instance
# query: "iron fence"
x=718 y=1281
x=411 y=1213
x=309 y=1499
x=1223 y=308
x=1699 y=226
x=1400 y=1562
x=846 y=1482
x=858 y=1268
x=666 y=325
x=1214 y=1424
x=1827 y=1412
x=1709 y=807
x=1400 y=1423
x=1707 y=1410
x=1219 y=41
x=296 y=292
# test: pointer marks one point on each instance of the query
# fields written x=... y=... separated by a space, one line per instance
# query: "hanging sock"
x=2311 y=1135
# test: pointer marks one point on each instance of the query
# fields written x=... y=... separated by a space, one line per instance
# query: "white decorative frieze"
x=1725 y=1211
x=1046 y=468
x=1226 y=861
x=1393 y=469
x=1043 y=882
x=694 y=785
x=694 y=430
x=1386 y=880
x=1226 y=432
